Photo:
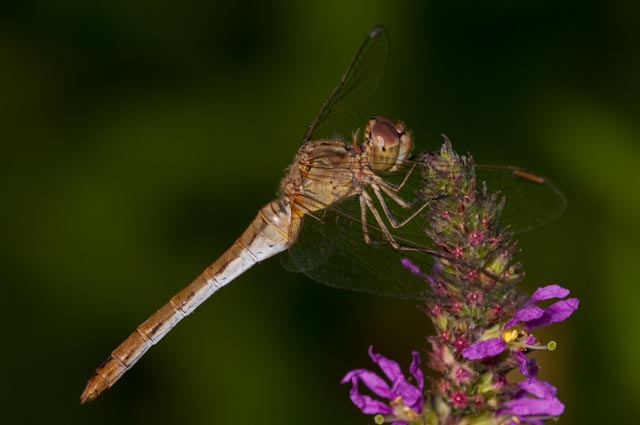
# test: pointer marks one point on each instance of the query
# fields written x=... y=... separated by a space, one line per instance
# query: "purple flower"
x=535 y=401
x=533 y=316
x=404 y=400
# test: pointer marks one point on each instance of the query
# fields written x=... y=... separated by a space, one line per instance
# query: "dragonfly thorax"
x=387 y=144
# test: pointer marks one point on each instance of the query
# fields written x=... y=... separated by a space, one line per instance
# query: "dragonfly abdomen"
x=268 y=234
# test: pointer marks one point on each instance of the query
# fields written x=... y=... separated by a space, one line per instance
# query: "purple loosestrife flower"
x=535 y=400
x=530 y=316
x=483 y=324
x=403 y=401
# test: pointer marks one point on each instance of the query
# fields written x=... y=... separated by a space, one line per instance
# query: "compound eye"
x=383 y=144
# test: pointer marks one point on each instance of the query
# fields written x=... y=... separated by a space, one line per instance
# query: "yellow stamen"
x=401 y=410
x=509 y=335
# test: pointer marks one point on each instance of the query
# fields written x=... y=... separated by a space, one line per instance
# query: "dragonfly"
x=347 y=211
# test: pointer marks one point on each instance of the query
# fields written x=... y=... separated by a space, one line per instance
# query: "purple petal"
x=526 y=313
x=528 y=367
x=532 y=369
x=376 y=384
x=547 y=292
x=418 y=405
x=482 y=349
x=416 y=371
x=367 y=404
x=538 y=388
x=416 y=270
x=555 y=313
x=410 y=394
x=389 y=367
x=409 y=265
x=533 y=406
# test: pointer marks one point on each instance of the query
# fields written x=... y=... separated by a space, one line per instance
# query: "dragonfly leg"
x=392 y=189
x=366 y=203
x=392 y=220
x=406 y=177
x=397 y=187
x=393 y=194
x=363 y=220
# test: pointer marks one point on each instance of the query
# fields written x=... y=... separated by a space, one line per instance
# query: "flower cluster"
x=483 y=323
x=533 y=400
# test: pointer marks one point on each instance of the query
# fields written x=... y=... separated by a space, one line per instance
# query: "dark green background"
x=138 y=140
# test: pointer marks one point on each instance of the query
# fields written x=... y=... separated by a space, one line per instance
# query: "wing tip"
x=376 y=30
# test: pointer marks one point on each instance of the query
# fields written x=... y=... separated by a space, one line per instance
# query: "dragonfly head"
x=387 y=143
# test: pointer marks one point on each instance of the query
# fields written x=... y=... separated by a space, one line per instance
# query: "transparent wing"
x=531 y=200
x=347 y=107
x=330 y=247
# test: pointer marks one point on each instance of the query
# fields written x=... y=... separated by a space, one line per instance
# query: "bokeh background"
x=138 y=140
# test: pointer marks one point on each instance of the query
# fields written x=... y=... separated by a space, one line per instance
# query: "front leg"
x=366 y=203
x=363 y=220
x=392 y=220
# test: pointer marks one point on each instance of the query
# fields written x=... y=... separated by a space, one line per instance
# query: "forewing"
x=347 y=108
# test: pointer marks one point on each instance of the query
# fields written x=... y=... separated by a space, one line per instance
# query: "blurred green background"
x=139 y=139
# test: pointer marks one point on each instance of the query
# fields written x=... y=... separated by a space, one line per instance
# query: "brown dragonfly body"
x=323 y=173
